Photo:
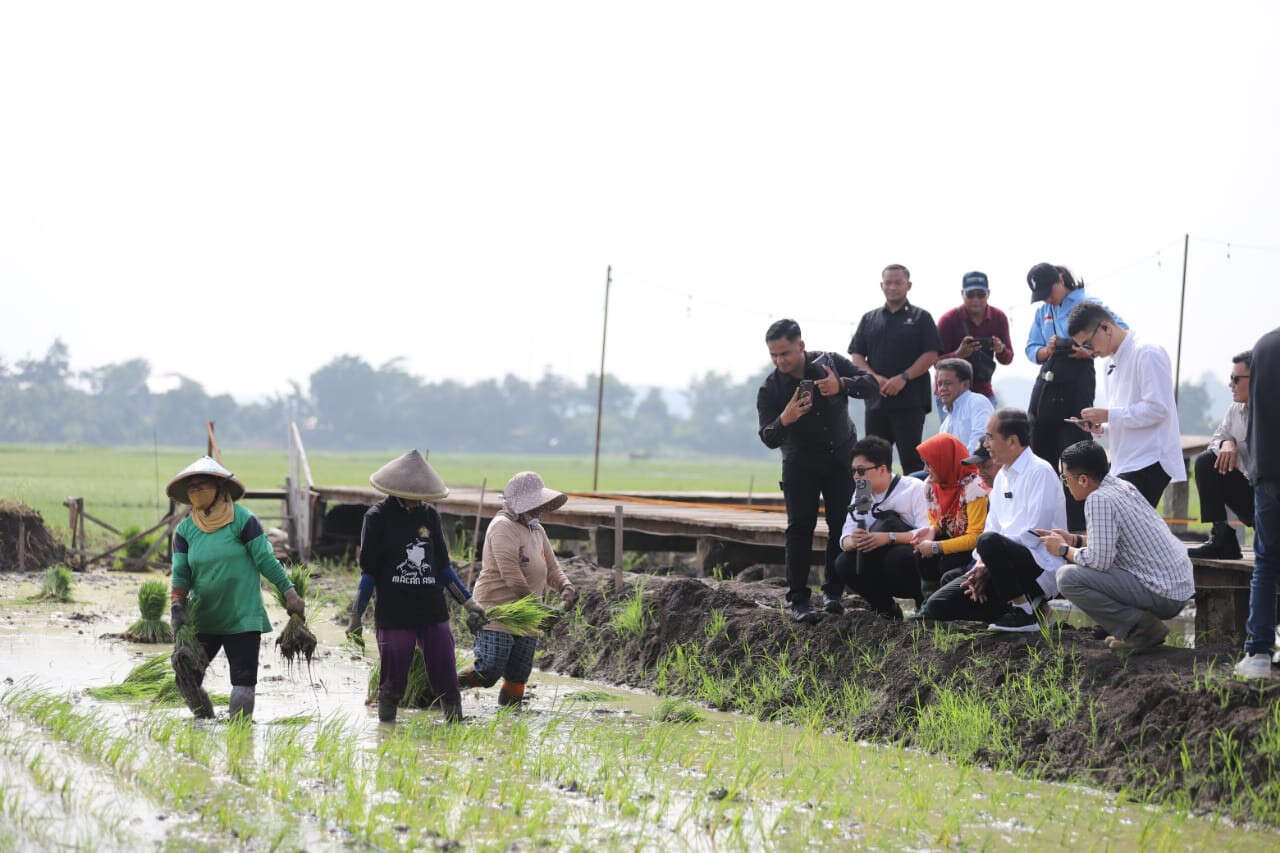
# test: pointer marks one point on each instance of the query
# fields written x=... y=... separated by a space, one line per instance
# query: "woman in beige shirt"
x=518 y=561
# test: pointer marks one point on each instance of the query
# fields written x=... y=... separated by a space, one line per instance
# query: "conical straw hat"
x=205 y=466
x=526 y=492
x=411 y=478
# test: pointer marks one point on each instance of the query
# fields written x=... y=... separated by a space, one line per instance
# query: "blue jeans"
x=1261 y=627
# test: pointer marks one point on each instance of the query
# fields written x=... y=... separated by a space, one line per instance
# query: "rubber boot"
x=387 y=706
x=511 y=694
x=242 y=699
x=1222 y=544
x=452 y=708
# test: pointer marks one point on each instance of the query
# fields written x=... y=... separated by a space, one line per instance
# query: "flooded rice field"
x=585 y=765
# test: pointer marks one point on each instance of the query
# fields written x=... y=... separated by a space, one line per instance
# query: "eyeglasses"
x=859 y=471
x=1237 y=379
x=1088 y=344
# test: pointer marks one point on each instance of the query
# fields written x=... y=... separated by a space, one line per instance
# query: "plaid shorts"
x=500 y=653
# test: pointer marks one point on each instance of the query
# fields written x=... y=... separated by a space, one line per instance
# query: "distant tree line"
x=351 y=404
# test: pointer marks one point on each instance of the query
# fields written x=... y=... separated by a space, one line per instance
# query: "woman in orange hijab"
x=957 y=505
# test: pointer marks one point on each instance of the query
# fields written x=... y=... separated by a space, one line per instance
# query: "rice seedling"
x=417 y=691
x=675 y=710
x=524 y=616
x=189 y=659
x=590 y=696
x=56 y=583
x=151 y=628
x=296 y=640
x=631 y=616
x=142 y=682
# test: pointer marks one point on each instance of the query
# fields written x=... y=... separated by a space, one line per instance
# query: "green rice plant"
x=630 y=617
x=417 y=691
x=674 y=710
x=142 y=682
x=56 y=584
x=591 y=696
x=524 y=616
x=151 y=628
x=296 y=639
x=716 y=624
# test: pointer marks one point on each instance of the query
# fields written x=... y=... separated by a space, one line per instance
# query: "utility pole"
x=1182 y=307
x=604 y=333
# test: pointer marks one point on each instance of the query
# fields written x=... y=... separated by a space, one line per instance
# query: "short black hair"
x=786 y=328
x=875 y=450
x=1245 y=358
x=1086 y=457
x=1011 y=422
x=961 y=368
x=1087 y=316
x=906 y=273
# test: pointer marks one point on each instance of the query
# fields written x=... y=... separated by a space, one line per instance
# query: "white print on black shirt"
x=415 y=570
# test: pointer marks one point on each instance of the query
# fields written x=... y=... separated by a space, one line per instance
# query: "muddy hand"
x=568 y=596
x=293 y=603
x=476 y=617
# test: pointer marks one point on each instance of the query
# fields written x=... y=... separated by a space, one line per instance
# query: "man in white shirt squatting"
x=1013 y=565
x=1128 y=571
x=878 y=561
x=964 y=412
x=1141 y=417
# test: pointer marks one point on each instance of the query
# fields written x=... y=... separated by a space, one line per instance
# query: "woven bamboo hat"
x=205 y=466
x=526 y=492
x=411 y=478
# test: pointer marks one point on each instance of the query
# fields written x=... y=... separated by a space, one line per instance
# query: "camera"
x=984 y=343
x=1063 y=345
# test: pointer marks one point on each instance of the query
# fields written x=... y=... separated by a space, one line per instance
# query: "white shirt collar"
x=1023 y=460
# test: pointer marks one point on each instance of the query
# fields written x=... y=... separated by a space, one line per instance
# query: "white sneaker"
x=1254 y=666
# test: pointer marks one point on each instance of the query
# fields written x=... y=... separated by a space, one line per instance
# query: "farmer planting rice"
x=403 y=555
x=219 y=552
x=518 y=562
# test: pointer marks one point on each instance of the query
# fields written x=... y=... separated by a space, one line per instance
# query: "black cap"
x=1041 y=278
x=979 y=456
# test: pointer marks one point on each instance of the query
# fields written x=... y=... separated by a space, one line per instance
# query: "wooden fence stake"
x=476 y=555
x=617 y=547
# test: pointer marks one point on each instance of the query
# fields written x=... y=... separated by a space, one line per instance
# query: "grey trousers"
x=1115 y=599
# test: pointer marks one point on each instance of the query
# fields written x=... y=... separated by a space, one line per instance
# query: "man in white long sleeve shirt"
x=965 y=412
x=1141 y=417
x=1221 y=477
x=1128 y=571
x=1013 y=571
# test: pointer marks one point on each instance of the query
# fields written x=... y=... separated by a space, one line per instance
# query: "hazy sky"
x=239 y=192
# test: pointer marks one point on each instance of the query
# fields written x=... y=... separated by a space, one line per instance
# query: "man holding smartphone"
x=976 y=332
x=803 y=408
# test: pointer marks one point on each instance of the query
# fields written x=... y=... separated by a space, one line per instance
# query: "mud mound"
x=1169 y=726
x=42 y=550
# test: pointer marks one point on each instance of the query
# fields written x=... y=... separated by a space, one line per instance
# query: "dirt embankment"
x=1167 y=726
x=41 y=548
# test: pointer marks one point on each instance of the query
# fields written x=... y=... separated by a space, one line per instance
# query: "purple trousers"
x=395 y=648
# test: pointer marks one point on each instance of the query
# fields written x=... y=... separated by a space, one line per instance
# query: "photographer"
x=976 y=332
x=1067 y=381
x=804 y=409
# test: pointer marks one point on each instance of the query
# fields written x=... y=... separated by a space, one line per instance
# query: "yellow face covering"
x=211 y=509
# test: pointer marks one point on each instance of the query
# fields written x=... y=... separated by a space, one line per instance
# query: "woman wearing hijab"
x=957 y=505
x=405 y=559
x=518 y=561
x=220 y=551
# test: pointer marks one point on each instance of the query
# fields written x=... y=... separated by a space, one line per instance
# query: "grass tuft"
x=56 y=584
x=675 y=710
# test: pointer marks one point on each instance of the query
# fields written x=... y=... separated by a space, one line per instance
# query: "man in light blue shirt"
x=965 y=413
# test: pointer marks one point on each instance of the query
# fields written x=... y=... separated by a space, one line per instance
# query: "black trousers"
x=242 y=654
x=1011 y=568
x=1219 y=491
x=1071 y=390
x=903 y=428
x=802 y=482
x=933 y=569
x=882 y=575
x=950 y=602
x=1151 y=481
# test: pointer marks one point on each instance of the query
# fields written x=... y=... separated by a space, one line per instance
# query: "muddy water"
x=58 y=648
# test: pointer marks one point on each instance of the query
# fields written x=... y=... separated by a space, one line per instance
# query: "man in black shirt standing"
x=804 y=409
x=898 y=344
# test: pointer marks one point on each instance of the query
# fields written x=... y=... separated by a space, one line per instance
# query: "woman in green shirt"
x=219 y=552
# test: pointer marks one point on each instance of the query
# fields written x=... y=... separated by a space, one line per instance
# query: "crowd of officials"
x=1008 y=507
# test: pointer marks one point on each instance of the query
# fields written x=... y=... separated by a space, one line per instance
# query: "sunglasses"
x=1234 y=380
x=859 y=471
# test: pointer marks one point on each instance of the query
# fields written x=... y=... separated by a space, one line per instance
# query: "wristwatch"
x=893 y=538
x=1063 y=551
x=906 y=377
x=937 y=548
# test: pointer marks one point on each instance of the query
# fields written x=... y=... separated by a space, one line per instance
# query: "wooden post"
x=604 y=333
x=1182 y=305
x=211 y=447
x=22 y=544
x=73 y=523
x=617 y=547
x=751 y=485
x=476 y=555
x=84 y=546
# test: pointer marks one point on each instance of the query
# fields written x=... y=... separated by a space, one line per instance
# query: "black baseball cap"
x=974 y=281
x=979 y=456
x=1041 y=278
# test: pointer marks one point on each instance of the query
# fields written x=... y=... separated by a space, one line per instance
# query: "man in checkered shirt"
x=1127 y=571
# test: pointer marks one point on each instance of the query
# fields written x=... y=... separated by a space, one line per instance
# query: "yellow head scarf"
x=211 y=508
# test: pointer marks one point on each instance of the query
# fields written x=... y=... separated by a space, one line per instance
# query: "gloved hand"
x=178 y=615
x=476 y=617
x=568 y=595
x=293 y=603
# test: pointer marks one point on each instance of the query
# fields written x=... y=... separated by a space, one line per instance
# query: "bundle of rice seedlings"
x=417 y=691
x=56 y=584
x=296 y=640
x=525 y=616
x=675 y=710
x=142 y=682
x=189 y=659
x=168 y=695
x=151 y=628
